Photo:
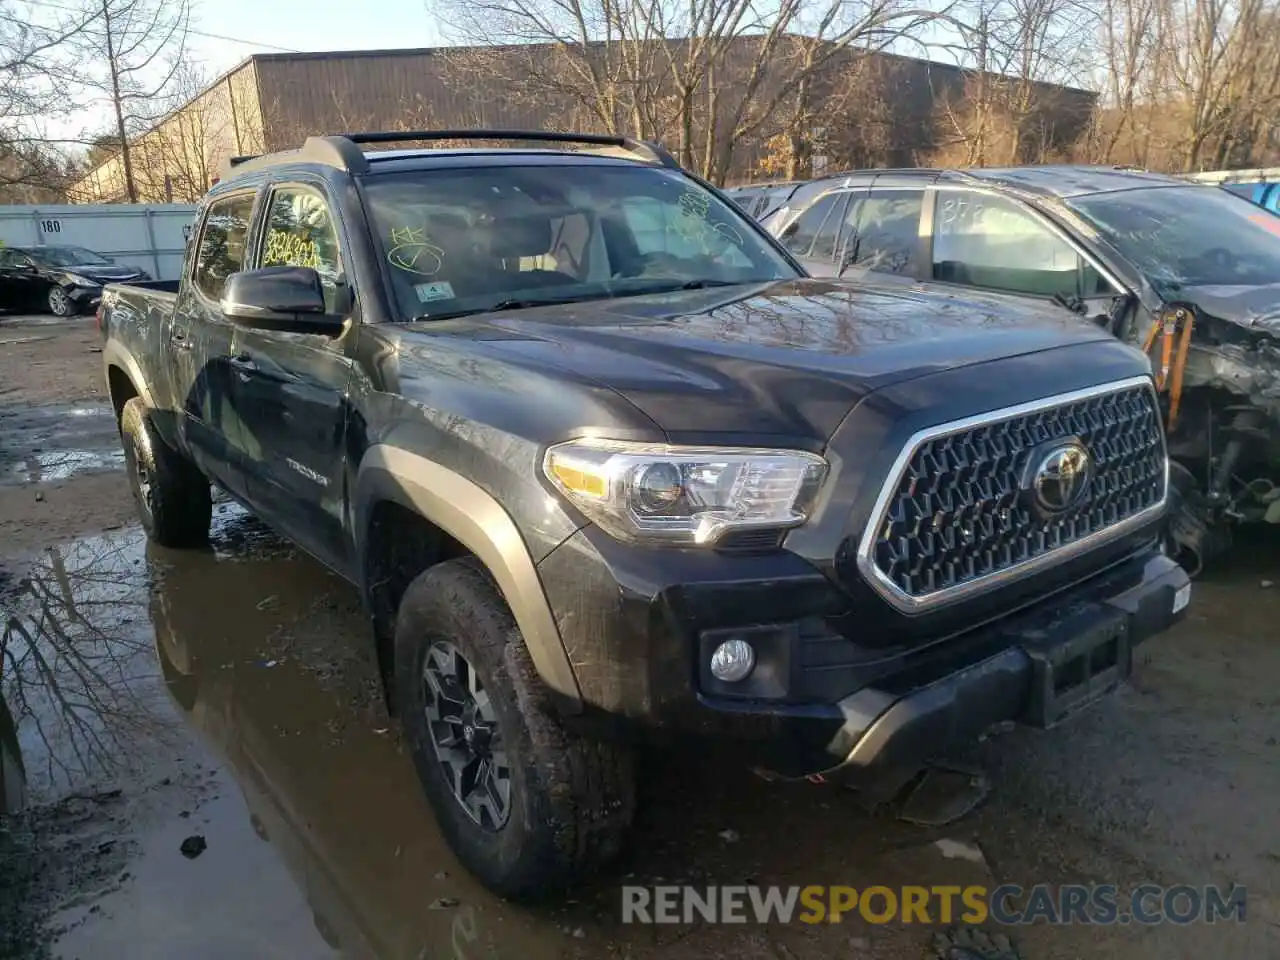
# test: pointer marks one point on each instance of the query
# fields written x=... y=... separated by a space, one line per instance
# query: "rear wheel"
x=173 y=497
x=60 y=305
x=525 y=805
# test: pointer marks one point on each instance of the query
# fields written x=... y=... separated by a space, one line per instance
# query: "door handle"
x=179 y=341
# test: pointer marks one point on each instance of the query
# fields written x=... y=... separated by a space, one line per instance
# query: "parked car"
x=606 y=467
x=761 y=199
x=1189 y=272
x=1259 y=186
x=63 y=280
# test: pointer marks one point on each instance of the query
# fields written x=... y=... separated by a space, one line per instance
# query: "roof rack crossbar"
x=343 y=150
x=646 y=149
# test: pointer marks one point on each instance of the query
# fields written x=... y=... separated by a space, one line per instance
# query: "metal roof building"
x=274 y=101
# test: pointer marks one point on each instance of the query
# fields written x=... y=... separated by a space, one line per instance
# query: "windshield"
x=466 y=241
x=1188 y=236
x=71 y=257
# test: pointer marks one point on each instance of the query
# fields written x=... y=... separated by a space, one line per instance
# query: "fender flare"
x=476 y=520
x=115 y=354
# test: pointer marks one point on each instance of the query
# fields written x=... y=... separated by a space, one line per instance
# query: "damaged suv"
x=606 y=467
x=1189 y=272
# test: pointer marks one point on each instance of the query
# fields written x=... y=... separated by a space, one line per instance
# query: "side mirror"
x=287 y=299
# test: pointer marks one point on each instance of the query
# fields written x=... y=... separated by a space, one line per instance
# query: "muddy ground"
x=224 y=703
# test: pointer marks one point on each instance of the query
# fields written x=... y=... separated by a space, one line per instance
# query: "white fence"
x=148 y=235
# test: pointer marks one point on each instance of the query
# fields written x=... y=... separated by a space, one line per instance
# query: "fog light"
x=732 y=661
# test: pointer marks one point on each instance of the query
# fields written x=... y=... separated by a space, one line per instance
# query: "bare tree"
x=1017 y=55
x=707 y=74
x=1188 y=84
x=180 y=155
x=133 y=52
x=37 y=66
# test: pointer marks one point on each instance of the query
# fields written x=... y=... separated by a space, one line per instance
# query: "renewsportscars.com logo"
x=1009 y=904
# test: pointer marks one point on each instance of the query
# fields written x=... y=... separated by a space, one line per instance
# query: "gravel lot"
x=230 y=695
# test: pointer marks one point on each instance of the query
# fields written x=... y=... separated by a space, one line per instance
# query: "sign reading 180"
x=50 y=226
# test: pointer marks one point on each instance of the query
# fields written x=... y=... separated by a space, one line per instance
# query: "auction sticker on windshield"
x=439 y=290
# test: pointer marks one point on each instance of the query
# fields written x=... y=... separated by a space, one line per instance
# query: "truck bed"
x=167 y=288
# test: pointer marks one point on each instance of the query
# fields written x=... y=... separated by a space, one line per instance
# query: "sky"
x=225 y=32
x=274 y=26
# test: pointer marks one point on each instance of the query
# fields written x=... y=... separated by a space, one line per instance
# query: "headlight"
x=80 y=281
x=684 y=495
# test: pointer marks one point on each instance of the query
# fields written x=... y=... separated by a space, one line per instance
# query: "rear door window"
x=802 y=234
x=223 y=242
x=887 y=236
x=980 y=240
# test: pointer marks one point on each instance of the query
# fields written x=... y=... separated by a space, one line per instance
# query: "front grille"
x=956 y=512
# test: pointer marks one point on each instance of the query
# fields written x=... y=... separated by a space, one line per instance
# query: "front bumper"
x=871 y=711
x=85 y=298
x=1055 y=663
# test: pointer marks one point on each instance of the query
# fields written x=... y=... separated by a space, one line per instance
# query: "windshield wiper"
x=1070 y=302
x=515 y=303
x=708 y=284
x=524 y=303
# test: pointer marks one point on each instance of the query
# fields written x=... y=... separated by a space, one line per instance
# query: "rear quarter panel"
x=134 y=322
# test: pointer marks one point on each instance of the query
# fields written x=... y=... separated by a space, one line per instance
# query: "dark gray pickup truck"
x=607 y=467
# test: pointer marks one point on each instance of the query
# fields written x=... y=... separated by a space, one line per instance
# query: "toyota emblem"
x=1062 y=477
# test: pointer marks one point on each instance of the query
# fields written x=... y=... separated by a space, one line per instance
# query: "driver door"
x=995 y=243
x=290 y=389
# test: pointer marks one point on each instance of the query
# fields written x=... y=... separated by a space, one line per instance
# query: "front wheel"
x=60 y=305
x=524 y=804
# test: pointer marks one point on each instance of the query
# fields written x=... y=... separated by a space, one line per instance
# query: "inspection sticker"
x=439 y=290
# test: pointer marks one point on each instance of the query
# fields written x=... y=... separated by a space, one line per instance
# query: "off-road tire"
x=571 y=799
x=173 y=497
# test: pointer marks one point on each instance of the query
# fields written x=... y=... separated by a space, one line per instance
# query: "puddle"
x=57 y=442
x=227 y=694
x=230 y=694
x=64 y=464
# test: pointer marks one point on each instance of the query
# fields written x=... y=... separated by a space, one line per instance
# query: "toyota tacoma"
x=607 y=467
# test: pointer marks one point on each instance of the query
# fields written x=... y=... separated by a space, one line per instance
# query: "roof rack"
x=343 y=150
x=646 y=150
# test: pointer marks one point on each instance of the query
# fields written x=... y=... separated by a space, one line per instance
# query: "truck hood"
x=788 y=359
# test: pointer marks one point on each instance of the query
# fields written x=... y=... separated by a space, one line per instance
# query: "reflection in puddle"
x=320 y=840
x=13 y=775
x=76 y=660
x=267 y=658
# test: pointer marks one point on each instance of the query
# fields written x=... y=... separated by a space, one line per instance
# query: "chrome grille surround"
x=1120 y=424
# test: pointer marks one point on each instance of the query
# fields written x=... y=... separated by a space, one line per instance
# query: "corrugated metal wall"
x=340 y=93
x=150 y=236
